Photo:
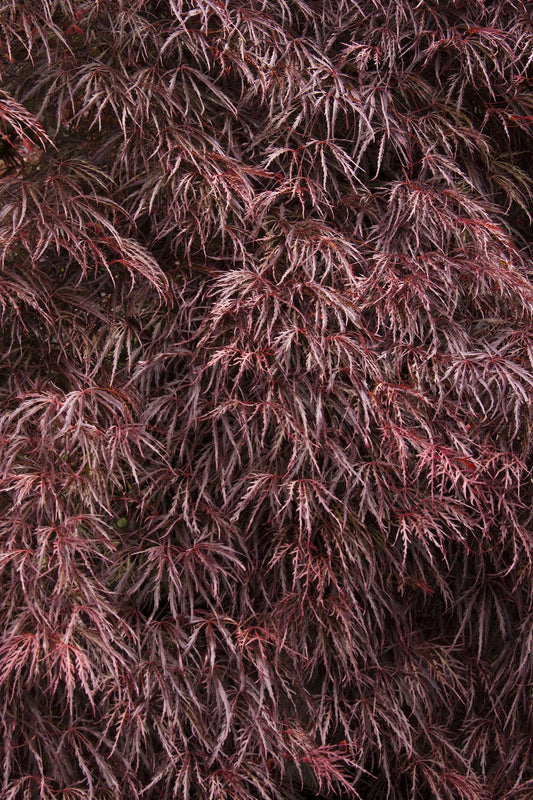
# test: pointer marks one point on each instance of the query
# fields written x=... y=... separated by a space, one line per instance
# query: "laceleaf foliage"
x=266 y=388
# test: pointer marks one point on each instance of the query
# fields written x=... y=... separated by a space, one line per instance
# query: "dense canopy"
x=266 y=400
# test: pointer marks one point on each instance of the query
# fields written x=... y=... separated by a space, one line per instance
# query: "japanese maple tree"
x=266 y=400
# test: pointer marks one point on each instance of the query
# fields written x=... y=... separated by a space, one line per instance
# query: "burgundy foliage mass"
x=266 y=387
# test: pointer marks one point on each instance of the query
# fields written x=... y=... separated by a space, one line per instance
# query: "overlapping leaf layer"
x=266 y=400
